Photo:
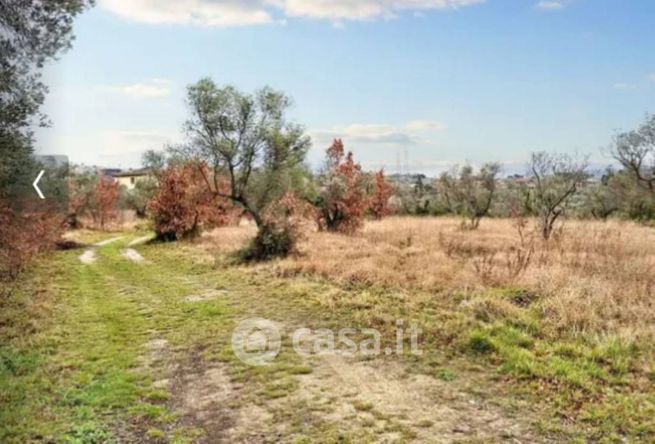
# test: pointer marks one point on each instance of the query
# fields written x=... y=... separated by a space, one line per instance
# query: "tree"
x=635 y=151
x=32 y=32
x=468 y=193
x=247 y=139
x=81 y=195
x=107 y=195
x=603 y=199
x=635 y=200
x=555 y=179
x=183 y=203
x=342 y=199
x=382 y=192
x=418 y=198
x=138 y=197
x=154 y=161
x=25 y=234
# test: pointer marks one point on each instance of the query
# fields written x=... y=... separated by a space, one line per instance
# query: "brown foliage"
x=107 y=194
x=25 y=234
x=183 y=203
x=343 y=199
x=379 y=202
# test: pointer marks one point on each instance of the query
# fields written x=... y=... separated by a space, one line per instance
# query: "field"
x=520 y=340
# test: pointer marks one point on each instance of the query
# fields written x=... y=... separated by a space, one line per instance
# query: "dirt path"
x=88 y=257
x=108 y=241
x=140 y=240
x=132 y=255
x=382 y=395
x=329 y=398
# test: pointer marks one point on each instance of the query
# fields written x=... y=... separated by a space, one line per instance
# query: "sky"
x=424 y=84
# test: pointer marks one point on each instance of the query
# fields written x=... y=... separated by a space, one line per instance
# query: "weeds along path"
x=140 y=352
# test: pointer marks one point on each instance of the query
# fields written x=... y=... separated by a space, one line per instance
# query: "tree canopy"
x=32 y=32
x=246 y=138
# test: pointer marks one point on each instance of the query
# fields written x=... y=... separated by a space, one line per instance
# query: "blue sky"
x=445 y=81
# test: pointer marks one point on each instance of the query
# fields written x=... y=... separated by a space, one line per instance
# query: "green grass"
x=74 y=359
x=583 y=386
x=75 y=342
x=595 y=381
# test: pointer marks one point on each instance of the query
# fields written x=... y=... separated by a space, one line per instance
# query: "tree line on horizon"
x=246 y=178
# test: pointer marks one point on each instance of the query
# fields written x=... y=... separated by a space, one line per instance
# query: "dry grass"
x=593 y=277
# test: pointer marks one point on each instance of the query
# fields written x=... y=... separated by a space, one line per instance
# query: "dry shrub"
x=183 y=204
x=382 y=192
x=25 y=234
x=106 y=197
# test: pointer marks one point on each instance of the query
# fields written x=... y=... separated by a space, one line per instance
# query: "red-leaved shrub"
x=24 y=234
x=343 y=200
x=184 y=203
x=106 y=197
x=382 y=192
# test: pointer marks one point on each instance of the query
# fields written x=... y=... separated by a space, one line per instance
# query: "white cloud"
x=549 y=5
x=363 y=9
x=254 y=12
x=406 y=134
x=652 y=77
x=364 y=133
x=154 y=88
x=191 y=12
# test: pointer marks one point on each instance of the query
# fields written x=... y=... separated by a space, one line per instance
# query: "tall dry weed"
x=592 y=276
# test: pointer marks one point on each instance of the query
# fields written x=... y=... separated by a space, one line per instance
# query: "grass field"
x=521 y=341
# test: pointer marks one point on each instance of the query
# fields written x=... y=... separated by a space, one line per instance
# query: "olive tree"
x=32 y=33
x=555 y=178
x=247 y=140
x=470 y=193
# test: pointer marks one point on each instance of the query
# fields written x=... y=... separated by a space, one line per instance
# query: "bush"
x=470 y=193
x=281 y=231
x=183 y=204
x=343 y=199
x=107 y=195
x=382 y=192
x=25 y=234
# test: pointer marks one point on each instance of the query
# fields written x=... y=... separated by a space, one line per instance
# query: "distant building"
x=129 y=178
x=106 y=171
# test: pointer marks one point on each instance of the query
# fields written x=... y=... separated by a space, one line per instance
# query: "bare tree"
x=470 y=193
x=555 y=179
x=635 y=151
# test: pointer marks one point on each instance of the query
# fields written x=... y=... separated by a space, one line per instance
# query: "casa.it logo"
x=256 y=341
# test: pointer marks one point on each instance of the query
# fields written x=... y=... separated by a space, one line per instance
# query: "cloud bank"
x=257 y=12
x=154 y=88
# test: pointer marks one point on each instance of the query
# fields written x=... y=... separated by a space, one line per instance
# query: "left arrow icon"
x=36 y=186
